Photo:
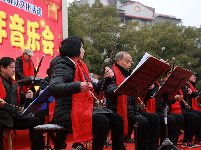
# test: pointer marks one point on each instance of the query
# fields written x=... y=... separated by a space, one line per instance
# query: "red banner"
x=34 y=24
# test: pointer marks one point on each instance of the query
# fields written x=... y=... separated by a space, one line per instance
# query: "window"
x=123 y=3
x=122 y=20
x=127 y=19
x=143 y=22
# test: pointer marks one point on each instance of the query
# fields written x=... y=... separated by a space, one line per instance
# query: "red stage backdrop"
x=34 y=24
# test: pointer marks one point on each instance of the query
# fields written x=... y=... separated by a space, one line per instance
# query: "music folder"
x=174 y=83
x=40 y=103
x=148 y=70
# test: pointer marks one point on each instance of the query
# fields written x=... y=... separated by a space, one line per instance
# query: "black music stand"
x=143 y=76
x=40 y=103
x=28 y=81
x=169 y=89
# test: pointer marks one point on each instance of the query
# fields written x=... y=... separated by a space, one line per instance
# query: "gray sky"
x=189 y=11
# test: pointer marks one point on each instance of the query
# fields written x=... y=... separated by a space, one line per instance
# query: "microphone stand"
x=32 y=83
x=36 y=72
x=166 y=141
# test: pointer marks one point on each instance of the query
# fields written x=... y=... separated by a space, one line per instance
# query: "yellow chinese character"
x=33 y=36
x=17 y=30
x=3 y=33
x=48 y=45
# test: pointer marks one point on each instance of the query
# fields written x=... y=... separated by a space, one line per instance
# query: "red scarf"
x=51 y=111
x=151 y=102
x=194 y=101
x=82 y=107
x=3 y=91
x=28 y=70
x=151 y=105
x=176 y=107
x=121 y=100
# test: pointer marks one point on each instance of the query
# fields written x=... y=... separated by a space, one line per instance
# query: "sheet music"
x=148 y=70
x=144 y=58
x=173 y=83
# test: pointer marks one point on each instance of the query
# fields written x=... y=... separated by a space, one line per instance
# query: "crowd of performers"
x=70 y=84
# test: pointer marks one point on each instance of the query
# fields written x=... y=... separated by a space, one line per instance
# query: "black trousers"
x=198 y=129
x=191 y=120
x=170 y=122
x=153 y=130
x=179 y=120
x=101 y=124
x=100 y=128
x=142 y=130
x=36 y=137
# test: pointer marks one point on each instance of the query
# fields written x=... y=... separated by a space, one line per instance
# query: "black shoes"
x=78 y=146
x=129 y=141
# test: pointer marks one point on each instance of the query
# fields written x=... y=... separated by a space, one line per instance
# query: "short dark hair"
x=6 y=61
x=71 y=46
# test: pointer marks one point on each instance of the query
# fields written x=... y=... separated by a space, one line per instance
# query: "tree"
x=98 y=26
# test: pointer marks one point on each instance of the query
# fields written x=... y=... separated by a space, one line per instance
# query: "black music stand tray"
x=29 y=80
x=143 y=76
x=40 y=103
x=169 y=89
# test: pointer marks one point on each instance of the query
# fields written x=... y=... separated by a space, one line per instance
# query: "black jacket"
x=43 y=84
x=111 y=97
x=192 y=95
x=19 y=68
x=62 y=87
x=7 y=112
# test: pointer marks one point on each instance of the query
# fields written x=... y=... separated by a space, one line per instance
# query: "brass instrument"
x=141 y=106
x=159 y=57
x=173 y=64
x=187 y=106
x=189 y=65
x=98 y=102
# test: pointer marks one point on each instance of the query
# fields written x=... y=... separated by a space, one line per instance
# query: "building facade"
x=135 y=11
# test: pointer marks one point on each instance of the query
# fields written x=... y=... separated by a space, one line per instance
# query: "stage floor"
x=22 y=142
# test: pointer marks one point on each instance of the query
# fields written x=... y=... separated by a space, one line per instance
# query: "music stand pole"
x=136 y=118
x=166 y=141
